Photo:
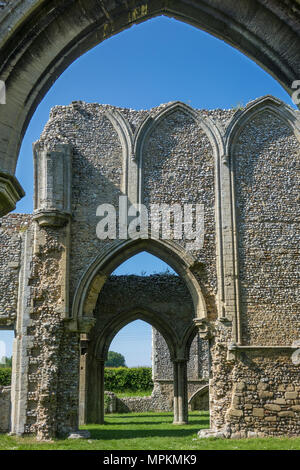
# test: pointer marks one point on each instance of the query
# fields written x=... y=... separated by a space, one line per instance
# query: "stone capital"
x=204 y=328
x=85 y=324
x=10 y=192
x=52 y=218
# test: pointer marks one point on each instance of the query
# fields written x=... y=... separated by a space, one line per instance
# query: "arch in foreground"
x=39 y=39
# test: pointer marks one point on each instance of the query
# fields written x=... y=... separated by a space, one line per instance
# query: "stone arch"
x=124 y=132
x=259 y=113
x=91 y=283
x=126 y=317
x=231 y=137
x=264 y=104
x=210 y=129
x=187 y=340
x=110 y=316
x=39 y=40
x=202 y=391
x=150 y=122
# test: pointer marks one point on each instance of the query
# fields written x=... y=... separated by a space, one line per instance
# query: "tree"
x=5 y=362
x=115 y=359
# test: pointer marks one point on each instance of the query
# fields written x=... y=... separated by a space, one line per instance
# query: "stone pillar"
x=21 y=344
x=180 y=392
x=175 y=384
x=83 y=380
x=101 y=363
x=52 y=372
x=52 y=182
x=95 y=399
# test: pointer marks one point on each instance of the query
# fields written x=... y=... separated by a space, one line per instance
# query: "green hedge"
x=117 y=379
x=5 y=376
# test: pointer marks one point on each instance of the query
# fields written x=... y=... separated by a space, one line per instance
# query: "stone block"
x=280 y=401
x=236 y=413
x=271 y=418
x=236 y=400
x=265 y=394
x=291 y=395
x=295 y=407
x=248 y=406
x=258 y=412
x=240 y=386
x=286 y=414
x=262 y=386
x=272 y=407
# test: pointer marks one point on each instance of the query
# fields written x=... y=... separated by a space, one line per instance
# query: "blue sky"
x=155 y=62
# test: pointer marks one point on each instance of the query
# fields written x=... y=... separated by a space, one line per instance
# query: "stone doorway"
x=164 y=301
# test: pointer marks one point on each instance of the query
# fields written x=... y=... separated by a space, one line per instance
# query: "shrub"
x=5 y=376
x=129 y=378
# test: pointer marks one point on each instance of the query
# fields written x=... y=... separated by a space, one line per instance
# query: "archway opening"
x=142 y=288
x=161 y=60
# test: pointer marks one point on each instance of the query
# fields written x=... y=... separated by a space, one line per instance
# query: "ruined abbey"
x=238 y=292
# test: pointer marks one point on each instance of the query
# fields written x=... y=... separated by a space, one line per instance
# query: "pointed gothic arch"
x=261 y=105
x=93 y=280
x=39 y=40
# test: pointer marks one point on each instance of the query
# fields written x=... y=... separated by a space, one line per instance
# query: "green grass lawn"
x=148 y=431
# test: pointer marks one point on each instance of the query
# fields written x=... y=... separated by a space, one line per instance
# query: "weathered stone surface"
x=291 y=395
x=238 y=290
x=5 y=409
x=259 y=412
x=80 y=435
x=272 y=407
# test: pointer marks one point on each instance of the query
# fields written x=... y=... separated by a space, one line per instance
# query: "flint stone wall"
x=161 y=399
x=263 y=164
x=164 y=294
x=12 y=228
x=5 y=408
x=98 y=174
x=266 y=165
x=162 y=366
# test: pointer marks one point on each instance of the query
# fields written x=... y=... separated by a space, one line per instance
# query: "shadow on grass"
x=201 y=423
x=104 y=432
x=194 y=422
x=136 y=415
x=108 y=434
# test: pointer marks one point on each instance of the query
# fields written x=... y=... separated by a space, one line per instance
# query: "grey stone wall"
x=164 y=294
x=178 y=167
x=5 y=408
x=162 y=366
x=267 y=192
x=11 y=229
x=181 y=159
x=97 y=171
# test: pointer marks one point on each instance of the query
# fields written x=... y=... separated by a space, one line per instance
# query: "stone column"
x=180 y=392
x=101 y=363
x=54 y=366
x=83 y=380
x=95 y=399
x=175 y=384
